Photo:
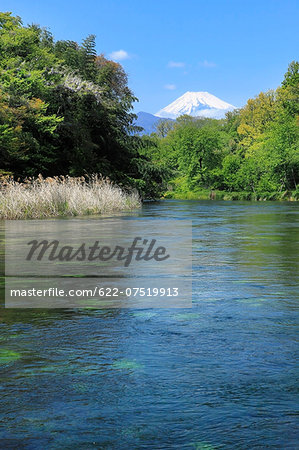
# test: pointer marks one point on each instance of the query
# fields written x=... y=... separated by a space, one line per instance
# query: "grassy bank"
x=207 y=194
x=62 y=196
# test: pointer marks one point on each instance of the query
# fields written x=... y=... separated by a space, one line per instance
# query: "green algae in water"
x=252 y=301
x=8 y=356
x=202 y=446
x=186 y=316
x=8 y=337
x=81 y=387
x=60 y=370
x=134 y=432
x=199 y=300
x=36 y=371
x=125 y=364
x=144 y=315
x=96 y=304
x=92 y=311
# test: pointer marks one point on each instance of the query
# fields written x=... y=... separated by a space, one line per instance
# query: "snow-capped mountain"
x=196 y=104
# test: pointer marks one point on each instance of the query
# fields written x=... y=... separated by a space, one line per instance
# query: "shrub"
x=62 y=196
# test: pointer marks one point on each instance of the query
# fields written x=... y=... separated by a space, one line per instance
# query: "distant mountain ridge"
x=148 y=122
x=196 y=104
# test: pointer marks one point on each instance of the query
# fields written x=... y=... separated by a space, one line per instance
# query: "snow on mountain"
x=196 y=104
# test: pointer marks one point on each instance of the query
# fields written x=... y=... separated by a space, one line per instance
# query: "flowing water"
x=219 y=375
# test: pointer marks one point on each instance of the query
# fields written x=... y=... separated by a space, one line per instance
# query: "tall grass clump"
x=62 y=196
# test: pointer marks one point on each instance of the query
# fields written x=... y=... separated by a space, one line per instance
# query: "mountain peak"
x=196 y=104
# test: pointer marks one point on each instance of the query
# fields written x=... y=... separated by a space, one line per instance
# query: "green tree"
x=198 y=153
x=64 y=110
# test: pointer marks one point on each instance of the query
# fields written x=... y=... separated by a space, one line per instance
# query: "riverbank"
x=208 y=194
x=62 y=196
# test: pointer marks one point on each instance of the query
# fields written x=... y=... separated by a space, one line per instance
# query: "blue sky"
x=232 y=49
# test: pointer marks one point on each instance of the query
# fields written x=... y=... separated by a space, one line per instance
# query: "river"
x=219 y=375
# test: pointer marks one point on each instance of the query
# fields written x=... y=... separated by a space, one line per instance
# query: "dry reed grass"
x=62 y=196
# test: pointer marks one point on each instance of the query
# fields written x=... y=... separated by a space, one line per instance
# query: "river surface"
x=219 y=375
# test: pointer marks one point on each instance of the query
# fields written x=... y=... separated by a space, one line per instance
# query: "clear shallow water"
x=221 y=375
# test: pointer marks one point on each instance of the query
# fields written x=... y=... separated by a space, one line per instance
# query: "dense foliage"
x=66 y=110
x=254 y=151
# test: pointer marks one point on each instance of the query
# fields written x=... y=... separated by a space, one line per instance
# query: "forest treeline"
x=65 y=110
x=252 y=153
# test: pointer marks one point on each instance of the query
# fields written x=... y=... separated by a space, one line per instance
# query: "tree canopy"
x=64 y=109
x=254 y=149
